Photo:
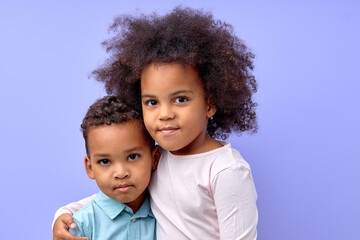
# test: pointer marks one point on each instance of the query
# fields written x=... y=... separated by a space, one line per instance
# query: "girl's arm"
x=235 y=200
x=61 y=226
x=63 y=220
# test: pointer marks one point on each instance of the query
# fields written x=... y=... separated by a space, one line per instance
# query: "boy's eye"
x=151 y=103
x=180 y=99
x=104 y=161
x=133 y=157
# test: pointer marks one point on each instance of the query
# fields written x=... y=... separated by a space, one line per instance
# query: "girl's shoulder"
x=228 y=159
x=224 y=158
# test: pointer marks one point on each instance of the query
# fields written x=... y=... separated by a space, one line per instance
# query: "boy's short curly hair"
x=109 y=110
x=189 y=37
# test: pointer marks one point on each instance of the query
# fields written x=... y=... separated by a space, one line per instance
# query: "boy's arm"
x=235 y=200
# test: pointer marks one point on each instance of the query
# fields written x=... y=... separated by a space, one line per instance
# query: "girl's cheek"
x=146 y=122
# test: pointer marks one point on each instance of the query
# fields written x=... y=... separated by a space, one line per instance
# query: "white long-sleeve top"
x=209 y=195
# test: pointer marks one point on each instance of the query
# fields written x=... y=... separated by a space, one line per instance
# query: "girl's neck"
x=207 y=144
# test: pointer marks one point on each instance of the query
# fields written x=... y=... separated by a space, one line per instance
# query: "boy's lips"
x=123 y=188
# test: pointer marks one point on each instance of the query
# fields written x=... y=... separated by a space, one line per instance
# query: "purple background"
x=305 y=157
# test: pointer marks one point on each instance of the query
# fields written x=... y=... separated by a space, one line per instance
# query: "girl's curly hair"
x=189 y=37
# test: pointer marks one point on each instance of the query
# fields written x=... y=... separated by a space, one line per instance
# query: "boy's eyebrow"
x=172 y=94
x=127 y=151
x=134 y=149
x=101 y=155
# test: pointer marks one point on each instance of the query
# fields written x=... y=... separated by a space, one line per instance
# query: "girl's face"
x=175 y=108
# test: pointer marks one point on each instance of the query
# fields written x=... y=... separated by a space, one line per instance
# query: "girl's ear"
x=156 y=154
x=211 y=108
x=88 y=167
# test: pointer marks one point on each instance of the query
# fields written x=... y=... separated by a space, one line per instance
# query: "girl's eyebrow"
x=181 y=92
x=172 y=94
x=148 y=96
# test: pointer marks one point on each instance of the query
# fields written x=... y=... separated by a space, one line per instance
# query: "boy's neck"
x=136 y=204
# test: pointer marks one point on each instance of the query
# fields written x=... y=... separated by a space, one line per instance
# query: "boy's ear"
x=156 y=154
x=211 y=108
x=88 y=167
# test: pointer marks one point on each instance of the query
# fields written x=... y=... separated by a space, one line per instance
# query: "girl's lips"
x=168 y=131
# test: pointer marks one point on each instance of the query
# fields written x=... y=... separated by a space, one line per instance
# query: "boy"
x=120 y=157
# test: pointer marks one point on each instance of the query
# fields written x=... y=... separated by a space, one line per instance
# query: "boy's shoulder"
x=101 y=206
x=104 y=217
x=85 y=211
x=85 y=217
x=100 y=211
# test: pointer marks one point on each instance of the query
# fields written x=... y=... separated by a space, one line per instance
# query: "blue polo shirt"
x=105 y=218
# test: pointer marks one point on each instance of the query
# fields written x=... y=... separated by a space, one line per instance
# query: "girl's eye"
x=133 y=157
x=104 y=161
x=181 y=99
x=151 y=103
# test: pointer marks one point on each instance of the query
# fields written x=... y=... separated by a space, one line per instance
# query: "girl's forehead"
x=170 y=77
x=169 y=72
x=175 y=67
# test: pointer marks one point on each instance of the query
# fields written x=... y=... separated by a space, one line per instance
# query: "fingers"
x=68 y=221
x=61 y=226
x=69 y=236
x=65 y=235
x=80 y=238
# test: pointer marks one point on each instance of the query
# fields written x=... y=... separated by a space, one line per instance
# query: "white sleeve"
x=235 y=201
x=72 y=208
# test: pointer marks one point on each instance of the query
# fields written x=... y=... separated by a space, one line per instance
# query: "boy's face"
x=121 y=161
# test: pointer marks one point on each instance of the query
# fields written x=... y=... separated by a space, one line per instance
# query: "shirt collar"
x=144 y=209
x=113 y=208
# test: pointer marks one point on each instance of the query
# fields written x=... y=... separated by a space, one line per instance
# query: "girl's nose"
x=165 y=112
x=121 y=171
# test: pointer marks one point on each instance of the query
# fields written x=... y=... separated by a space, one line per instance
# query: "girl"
x=191 y=77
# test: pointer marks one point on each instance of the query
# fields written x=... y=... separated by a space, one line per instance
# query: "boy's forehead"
x=133 y=124
x=133 y=131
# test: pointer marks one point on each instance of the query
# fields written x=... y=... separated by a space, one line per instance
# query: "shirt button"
x=127 y=209
x=133 y=220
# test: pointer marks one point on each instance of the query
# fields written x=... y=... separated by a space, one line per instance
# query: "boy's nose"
x=121 y=171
